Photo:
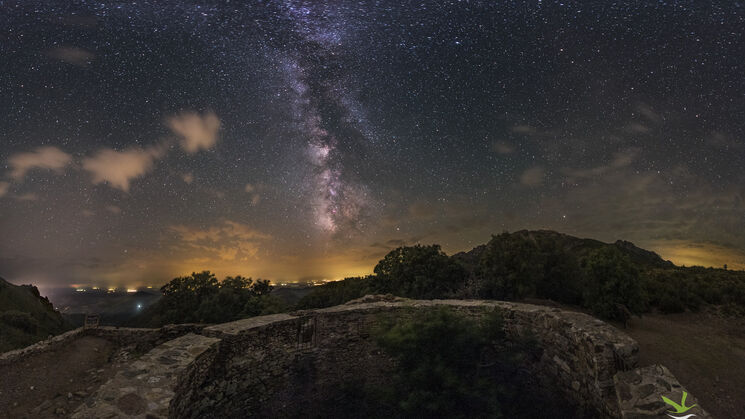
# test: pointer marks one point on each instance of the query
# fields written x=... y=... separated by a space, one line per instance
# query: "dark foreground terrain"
x=705 y=351
x=55 y=383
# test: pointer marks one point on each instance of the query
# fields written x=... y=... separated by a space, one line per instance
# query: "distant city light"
x=131 y=290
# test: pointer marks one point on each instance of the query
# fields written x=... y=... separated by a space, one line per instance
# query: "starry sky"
x=302 y=140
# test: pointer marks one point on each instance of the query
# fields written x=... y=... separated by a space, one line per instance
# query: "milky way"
x=302 y=140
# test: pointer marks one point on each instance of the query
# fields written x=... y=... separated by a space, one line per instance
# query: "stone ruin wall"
x=262 y=362
x=271 y=365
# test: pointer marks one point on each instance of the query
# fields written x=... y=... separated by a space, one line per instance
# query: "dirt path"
x=704 y=351
x=54 y=384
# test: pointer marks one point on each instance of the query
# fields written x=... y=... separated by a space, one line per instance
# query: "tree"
x=510 y=268
x=419 y=272
x=201 y=298
x=438 y=355
x=613 y=288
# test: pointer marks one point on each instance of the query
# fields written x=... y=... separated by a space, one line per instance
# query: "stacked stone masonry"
x=272 y=366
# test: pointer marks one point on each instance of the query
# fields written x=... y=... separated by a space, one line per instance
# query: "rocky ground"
x=55 y=383
x=705 y=351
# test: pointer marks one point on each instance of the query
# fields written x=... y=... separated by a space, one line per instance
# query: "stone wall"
x=39 y=347
x=284 y=364
x=266 y=364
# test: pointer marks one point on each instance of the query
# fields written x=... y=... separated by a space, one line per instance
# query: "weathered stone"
x=128 y=394
x=265 y=365
x=639 y=393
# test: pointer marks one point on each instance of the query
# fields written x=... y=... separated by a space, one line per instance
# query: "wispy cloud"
x=47 y=157
x=533 y=176
x=119 y=168
x=228 y=240
x=72 y=55
x=4 y=186
x=619 y=160
x=501 y=147
x=197 y=132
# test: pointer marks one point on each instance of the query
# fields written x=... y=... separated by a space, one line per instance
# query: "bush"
x=20 y=320
x=613 y=287
x=515 y=267
x=438 y=357
x=337 y=292
x=201 y=298
x=418 y=272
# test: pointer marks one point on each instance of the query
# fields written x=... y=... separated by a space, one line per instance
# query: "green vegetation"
x=26 y=317
x=450 y=365
x=612 y=286
x=437 y=372
x=419 y=272
x=613 y=281
x=337 y=292
x=201 y=298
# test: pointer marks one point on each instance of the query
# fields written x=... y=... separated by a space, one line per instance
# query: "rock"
x=60 y=411
x=69 y=395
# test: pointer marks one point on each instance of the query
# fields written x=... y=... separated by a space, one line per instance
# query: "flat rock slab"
x=640 y=392
x=144 y=388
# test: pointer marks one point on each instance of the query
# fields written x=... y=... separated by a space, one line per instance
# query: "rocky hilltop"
x=26 y=317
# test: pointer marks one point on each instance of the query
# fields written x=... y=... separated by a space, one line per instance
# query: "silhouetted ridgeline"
x=613 y=280
x=26 y=317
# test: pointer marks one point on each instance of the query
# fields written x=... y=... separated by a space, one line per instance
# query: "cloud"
x=72 y=55
x=422 y=210
x=253 y=191
x=198 y=132
x=637 y=128
x=502 y=147
x=188 y=178
x=533 y=176
x=620 y=160
x=524 y=129
x=4 y=186
x=47 y=157
x=647 y=112
x=114 y=209
x=27 y=197
x=228 y=240
x=119 y=168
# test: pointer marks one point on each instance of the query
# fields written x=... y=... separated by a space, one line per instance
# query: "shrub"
x=20 y=320
x=418 y=272
x=613 y=288
x=438 y=353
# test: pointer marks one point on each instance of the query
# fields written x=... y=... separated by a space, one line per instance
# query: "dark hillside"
x=26 y=317
x=575 y=246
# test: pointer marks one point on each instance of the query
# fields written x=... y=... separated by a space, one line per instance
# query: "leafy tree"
x=613 y=288
x=510 y=268
x=437 y=355
x=418 y=272
x=200 y=297
x=337 y=292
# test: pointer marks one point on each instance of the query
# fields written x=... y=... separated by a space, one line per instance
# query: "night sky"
x=297 y=141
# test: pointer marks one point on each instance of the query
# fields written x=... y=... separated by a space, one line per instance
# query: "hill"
x=575 y=246
x=26 y=317
x=612 y=280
